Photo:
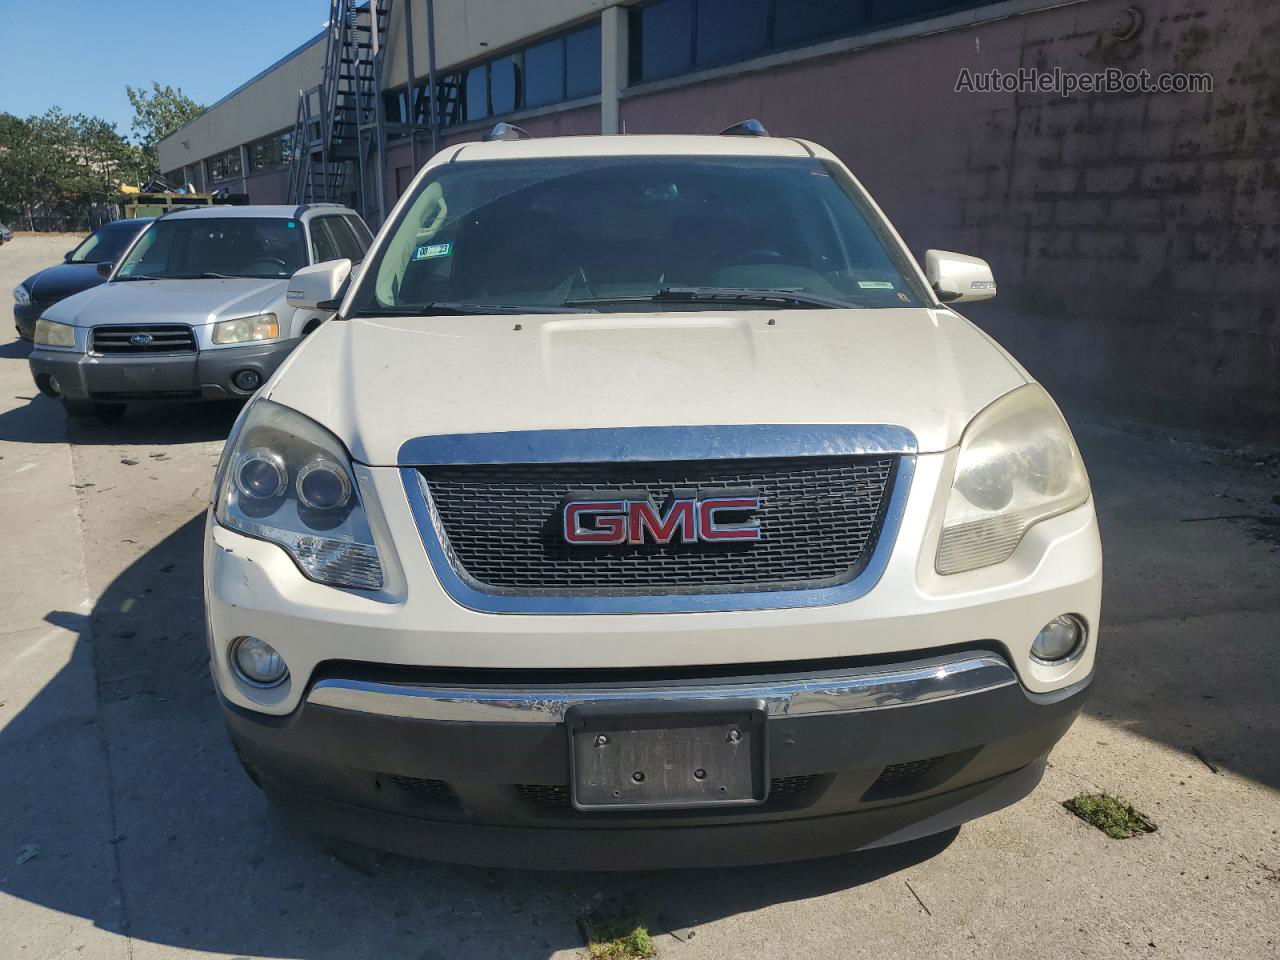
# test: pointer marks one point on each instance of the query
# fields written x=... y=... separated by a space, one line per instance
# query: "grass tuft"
x=615 y=936
x=1117 y=819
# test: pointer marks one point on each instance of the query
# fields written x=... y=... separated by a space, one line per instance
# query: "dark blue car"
x=79 y=271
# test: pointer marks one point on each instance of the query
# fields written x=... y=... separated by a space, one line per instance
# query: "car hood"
x=378 y=383
x=168 y=301
x=59 y=282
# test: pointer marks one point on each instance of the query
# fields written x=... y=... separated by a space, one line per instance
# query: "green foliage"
x=156 y=114
x=1117 y=819
x=57 y=167
x=613 y=935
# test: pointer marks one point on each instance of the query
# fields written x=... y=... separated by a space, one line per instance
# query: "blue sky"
x=80 y=54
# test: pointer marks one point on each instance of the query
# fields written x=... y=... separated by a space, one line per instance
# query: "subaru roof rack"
x=747 y=128
x=508 y=131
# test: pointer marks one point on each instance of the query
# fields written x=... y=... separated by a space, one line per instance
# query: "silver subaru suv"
x=195 y=309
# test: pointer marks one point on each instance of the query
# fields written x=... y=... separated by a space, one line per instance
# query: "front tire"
x=86 y=410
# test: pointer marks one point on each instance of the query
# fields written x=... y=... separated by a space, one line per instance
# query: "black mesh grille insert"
x=152 y=338
x=899 y=774
x=423 y=788
x=818 y=518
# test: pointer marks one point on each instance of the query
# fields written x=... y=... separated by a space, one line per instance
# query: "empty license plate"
x=669 y=757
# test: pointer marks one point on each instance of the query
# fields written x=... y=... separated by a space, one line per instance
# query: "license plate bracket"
x=667 y=755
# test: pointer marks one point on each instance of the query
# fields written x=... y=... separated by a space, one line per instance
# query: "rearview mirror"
x=316 y=286
x=956 y=278
x=104 y=269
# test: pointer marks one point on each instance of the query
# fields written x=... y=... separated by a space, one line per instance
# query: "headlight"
x=264 y=326
x=288 y=480
x=1018 y=465
x=50 y=333
x=20 y=295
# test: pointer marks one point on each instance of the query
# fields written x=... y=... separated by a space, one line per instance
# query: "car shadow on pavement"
x=145 y=824
x=15 y=350
x=149 y=423
x=1190 y=642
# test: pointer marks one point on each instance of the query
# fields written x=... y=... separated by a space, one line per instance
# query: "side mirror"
x=956 y=278
x=66 y=257
x=316 y=286
x=104 y=269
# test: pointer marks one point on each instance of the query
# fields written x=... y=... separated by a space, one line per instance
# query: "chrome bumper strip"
x=875 y=688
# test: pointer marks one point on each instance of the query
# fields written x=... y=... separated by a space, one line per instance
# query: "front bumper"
x=202 y=375
x=858 y=756
x=25 y=316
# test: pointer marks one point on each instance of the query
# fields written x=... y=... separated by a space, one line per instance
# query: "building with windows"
x=1134 y=232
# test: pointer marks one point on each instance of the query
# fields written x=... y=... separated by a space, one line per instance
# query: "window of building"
x=225 y=165
x=661 y=37
x=582 y=63
x=477 y=93
x=809 y=20
x=672 y=37
x=728 y=30
x=270 y=152
x=504 y=85
x=544 y=73
x=565 y=67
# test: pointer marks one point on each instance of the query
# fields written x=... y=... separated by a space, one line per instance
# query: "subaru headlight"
x=1018 y=465
x=286 y=479
x=21 y=296
x=50 y=333
x=264 y=326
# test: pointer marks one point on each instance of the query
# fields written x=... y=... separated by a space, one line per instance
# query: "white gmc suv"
x=647 y=506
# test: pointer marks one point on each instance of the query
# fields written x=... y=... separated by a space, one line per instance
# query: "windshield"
x=106 y=243
x=193 y=247
x=627 y=233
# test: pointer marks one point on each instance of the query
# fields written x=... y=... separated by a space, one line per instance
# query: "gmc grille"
x=818 y=517
x=166 y=338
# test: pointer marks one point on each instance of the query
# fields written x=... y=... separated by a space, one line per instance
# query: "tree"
x=156 y=114
x=61 y=171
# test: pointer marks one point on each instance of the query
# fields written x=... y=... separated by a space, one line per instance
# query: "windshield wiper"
x=443 y=308
x=742 y=295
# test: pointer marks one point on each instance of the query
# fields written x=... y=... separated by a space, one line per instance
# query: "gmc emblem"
x=612 y=522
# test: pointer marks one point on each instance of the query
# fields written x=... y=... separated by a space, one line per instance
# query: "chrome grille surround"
x=164 y=338
x=654 y=446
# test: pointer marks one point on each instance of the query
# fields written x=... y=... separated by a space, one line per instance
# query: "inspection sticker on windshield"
x=429 y=251
x=875 y=284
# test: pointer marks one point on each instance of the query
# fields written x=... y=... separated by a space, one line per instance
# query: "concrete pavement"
x=140 y=837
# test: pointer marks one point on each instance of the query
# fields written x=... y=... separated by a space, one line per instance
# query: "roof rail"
x=747 y=128
x=304 y=207
x=507 y=131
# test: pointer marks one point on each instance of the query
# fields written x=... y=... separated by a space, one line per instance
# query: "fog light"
x=257 y=662
x=55 y=386
x=1062 y=638
x=246 y=379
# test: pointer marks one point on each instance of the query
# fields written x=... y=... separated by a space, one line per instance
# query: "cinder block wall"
x=1136 y=238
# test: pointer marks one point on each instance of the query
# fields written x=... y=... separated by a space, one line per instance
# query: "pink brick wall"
x=1136 y=238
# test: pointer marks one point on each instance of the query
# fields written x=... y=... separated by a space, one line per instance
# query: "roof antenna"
x=747 y=128
x=507 y=131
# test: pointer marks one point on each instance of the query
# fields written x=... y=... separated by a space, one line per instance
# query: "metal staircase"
x=338 y=135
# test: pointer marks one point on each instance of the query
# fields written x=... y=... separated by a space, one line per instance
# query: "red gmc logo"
x=610 y=522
